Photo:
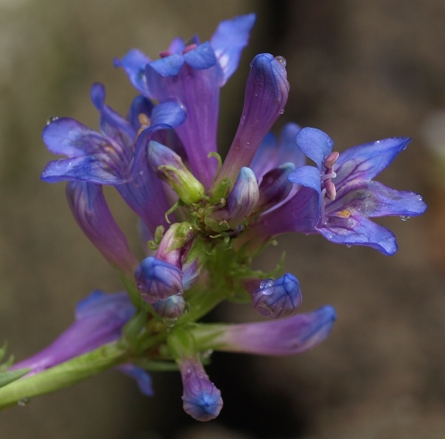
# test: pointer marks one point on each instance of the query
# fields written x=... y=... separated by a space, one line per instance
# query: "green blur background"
x=360 y=71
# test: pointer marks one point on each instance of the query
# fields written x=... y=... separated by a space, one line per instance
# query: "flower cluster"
x=202 y=220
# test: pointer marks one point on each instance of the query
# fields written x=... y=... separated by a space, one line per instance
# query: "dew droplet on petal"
x=51 y=119
x=170 y=322
x=281 y=60
x=205 y=355
x=266 y=283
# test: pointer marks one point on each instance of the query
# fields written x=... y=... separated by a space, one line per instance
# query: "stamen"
x=189 y=48
x=330 y=160
x=164 y=54
x=329 y=186
x=145 y=122
x=322 y=210
x=328 y=176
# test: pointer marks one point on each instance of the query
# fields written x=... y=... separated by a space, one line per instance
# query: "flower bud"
x=170 y=168
x=267 y=91
x=170 y=308
x=275 y=187
x=156 y=280
x=241 y=202
x=174 y=243
x=278 y=298
x=201 y=399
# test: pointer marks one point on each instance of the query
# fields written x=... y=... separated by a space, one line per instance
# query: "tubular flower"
x=193 y=73
x=288 y=336
x=337 y=198
x=99 y=320
x=202 y=219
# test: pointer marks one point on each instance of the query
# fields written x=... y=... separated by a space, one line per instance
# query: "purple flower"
x=337 y=198
x=266 y=95
x=201 y=399
x=193 y=74
x=91 y=212
x=99 y=320
x=117 y=156
x=278 y=298
x=288 y=336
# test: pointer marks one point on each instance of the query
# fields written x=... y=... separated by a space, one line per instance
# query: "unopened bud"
x=170 y=168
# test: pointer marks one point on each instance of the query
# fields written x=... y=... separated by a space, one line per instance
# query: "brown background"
x=360 y=71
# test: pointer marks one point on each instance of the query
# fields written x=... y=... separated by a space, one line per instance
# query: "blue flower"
x=337 y=198
x=193 y=74
x=118 y=155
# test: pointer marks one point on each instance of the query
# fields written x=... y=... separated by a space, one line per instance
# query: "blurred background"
x=360 y=71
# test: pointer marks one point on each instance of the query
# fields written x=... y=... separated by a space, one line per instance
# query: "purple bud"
x=275 y=186
x=267 y=91
x=175 y=242
x=170 y=308
x=193 y=262
x=170 y=168
x=156 y=280
x=241 y=201
x=91 y=212
x=243 y=197
x=278 y=298
x=288 y=336
x=202 y=400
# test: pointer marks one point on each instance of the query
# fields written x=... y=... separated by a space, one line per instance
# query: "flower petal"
x=85 y=168
x=134 y=63
x=169 y=113
x=374 y=199
x=356 y=229
x=113 y=124
x=315 y=143
x=166 y=67
x=68 y=137
x=203 y=57
x=229 y=39
x=142 y=377
x=364 y=162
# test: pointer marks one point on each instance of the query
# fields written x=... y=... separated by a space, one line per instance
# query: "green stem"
x=201 y=302
x=64 y=374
